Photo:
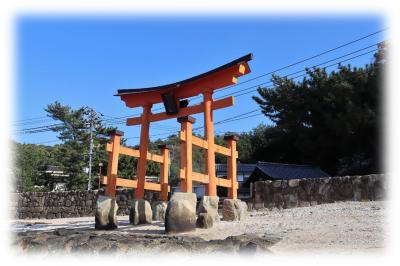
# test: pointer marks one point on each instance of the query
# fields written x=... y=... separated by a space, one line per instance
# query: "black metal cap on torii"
x=178 y=84
x=116 y=132
x=231 y=137
x=188 y=118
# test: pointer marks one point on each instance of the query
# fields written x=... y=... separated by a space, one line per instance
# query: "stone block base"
x=106 y=213
x=205 y=220
x=234 y=210
x=180 y=215
x=140 y=212
x=159 y=208
x=209 y=204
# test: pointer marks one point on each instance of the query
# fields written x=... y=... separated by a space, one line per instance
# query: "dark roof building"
x=243 y=170
x=280 y=171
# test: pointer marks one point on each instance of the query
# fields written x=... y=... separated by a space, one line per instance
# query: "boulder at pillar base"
x=185 y=196
x=140 y=212
x=234 y=210
x=243 y=210
x=180 y=215
x=209 y=204
x=159 y=208
x=205 y=220
x=230 y=210
x=106 y=213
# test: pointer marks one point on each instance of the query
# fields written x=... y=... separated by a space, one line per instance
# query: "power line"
x=29 y=119
x=240 y=116
x=50 y=127
x=233 y=118
x=297 y=72
x=320 y=54
x=302 y=61
x=116 y=119
x=32 y=122
x=53 y=125
x=236 y=116
x=257 y=77
x=223 y=121
x=282 y=68
x=172 y=132
x=37 y=129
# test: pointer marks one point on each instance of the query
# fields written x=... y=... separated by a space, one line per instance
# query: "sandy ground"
x=344 y=227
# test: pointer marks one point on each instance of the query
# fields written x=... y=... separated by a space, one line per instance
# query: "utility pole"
x=90 y=151
x=100 y=165
x=93 y=115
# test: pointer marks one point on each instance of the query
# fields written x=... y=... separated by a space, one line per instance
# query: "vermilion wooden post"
x=186 y=153
x=164 y=167
x=231 y=166
x=112 y=169
x=143 y=148
x=182 y=166
x=209 y=136
x=205 y=171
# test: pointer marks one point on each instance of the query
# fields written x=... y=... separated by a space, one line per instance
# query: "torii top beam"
x=214 y=79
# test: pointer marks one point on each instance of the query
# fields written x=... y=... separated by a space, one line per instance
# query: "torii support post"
x=209 y=136
x=231 y=165
x=186 y=153
x=164 y=167
x=143 y=148
x=206 y=171
x=112 y=168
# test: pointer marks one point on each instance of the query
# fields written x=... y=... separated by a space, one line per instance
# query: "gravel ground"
x=342 y=227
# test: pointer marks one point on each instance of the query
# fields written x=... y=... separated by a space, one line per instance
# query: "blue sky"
x=82 y=61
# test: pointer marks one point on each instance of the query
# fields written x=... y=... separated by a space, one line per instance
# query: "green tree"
x=329 y=119
x=73 y=130
x=29 y=162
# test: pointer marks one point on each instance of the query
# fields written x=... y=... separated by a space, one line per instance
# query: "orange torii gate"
x=112 y=180
x=174 y=96
x=187 y=175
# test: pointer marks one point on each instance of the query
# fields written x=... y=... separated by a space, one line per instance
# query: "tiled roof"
x=241 y=167
x=287 y=171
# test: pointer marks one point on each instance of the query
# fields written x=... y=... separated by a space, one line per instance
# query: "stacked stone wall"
x=265 y=194
x=311 y=191
x=66 y=204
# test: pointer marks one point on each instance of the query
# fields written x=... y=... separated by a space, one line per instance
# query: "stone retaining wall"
x=265 y=194
x=50 y=205
x=312 y=191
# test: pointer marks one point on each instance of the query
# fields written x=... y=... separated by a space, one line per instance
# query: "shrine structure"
x=175 y=99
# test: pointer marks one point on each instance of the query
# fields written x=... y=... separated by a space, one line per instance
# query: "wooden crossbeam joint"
x=132 y=183
x=186 y=111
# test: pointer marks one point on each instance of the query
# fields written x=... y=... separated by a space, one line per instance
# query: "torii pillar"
x=209 y=136
x=143 y=148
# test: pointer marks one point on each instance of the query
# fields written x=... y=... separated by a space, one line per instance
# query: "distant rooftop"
x=241 y=167
x=290 y=171
x=281 y=171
